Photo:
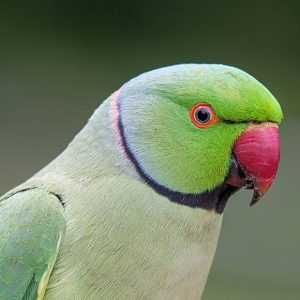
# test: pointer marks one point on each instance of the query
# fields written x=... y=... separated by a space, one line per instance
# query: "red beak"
x=257 y=154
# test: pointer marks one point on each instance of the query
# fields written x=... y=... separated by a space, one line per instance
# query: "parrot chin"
x=255 y=159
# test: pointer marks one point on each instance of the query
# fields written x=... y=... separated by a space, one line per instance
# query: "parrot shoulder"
x=32 y=224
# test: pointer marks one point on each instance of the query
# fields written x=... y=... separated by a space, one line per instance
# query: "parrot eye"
x=202 y=115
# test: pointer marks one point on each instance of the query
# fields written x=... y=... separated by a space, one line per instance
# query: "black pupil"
x=202 y=115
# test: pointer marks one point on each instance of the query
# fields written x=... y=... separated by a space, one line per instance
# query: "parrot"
x=133 y=207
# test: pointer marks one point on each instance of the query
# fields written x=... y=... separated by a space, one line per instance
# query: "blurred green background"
x=60 y=59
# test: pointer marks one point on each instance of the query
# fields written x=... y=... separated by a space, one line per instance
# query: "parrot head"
x=198 y=133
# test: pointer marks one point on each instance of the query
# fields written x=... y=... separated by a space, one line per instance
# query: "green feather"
x=32 y=222
x=169 y=148
x=122 y=239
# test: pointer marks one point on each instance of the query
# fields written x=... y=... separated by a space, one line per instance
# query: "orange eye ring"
x=202 y=115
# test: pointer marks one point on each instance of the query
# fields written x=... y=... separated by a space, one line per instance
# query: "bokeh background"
x=60 y=59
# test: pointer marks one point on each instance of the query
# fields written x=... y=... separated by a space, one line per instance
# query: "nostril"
x=256 y=122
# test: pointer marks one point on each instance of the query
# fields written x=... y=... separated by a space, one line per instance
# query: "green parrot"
x=132 y=209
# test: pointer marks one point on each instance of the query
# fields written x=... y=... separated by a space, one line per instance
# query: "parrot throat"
x=215 y=199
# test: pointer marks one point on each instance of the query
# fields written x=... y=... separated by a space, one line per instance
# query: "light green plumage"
x=122 y=239
x=32 y=223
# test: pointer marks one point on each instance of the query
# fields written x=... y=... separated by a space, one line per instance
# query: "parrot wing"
x=32 y=223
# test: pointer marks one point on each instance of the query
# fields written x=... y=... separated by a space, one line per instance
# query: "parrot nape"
x=132 y=209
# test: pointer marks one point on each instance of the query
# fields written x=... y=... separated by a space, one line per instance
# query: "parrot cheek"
x=255 y=159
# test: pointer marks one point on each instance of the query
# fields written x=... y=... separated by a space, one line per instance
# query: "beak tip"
x=253 y=202
x=256 y=197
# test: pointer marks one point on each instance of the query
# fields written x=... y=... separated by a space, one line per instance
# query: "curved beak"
x=255 y=159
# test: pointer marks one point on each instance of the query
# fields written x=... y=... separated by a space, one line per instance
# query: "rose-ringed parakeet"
x=132 y=209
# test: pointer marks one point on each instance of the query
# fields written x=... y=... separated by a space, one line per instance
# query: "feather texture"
x=123 y=238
